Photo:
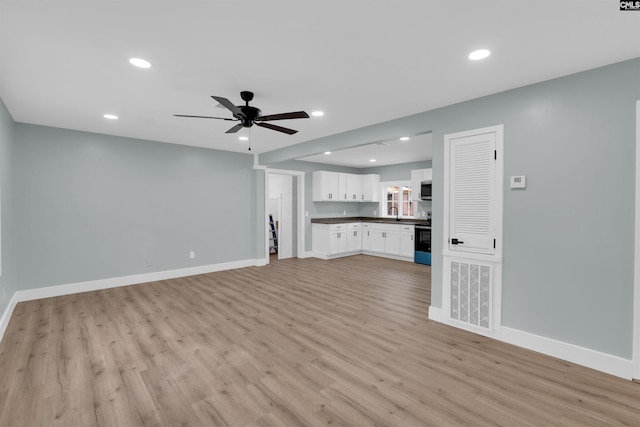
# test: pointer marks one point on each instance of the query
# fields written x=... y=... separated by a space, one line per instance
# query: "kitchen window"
x=396 y=200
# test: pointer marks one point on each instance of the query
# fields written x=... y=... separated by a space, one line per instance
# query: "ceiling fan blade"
x=205 y=117
x=284 y=116
x=235 y=129
x=225 y=102
x=278 y=128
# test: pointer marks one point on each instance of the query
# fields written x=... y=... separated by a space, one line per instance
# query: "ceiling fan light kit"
x=248 y=115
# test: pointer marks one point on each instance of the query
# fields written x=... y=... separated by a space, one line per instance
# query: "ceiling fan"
x=248 y=115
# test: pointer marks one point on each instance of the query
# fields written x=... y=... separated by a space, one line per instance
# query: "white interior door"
x=472 y=247
x=472 y=193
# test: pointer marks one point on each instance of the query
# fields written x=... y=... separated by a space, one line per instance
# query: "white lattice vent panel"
x=471 y=293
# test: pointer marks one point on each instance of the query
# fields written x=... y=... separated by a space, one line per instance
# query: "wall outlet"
x=375 y=213
x=344 y=212
x=149 y=262
x=306 y=213
x=192 y=255
x=423 y=213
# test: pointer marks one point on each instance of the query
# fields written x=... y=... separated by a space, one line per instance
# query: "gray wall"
x=92 y=206
x=7 y=279
x=568 y=238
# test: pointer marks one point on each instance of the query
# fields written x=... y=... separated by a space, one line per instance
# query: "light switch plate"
x=518 y=181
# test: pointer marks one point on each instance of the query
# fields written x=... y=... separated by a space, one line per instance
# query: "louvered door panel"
x=472 y=193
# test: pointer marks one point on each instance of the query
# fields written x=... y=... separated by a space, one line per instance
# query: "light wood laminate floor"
x=297 y=343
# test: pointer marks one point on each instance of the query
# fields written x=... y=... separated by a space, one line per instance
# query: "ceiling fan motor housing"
x=250 y=114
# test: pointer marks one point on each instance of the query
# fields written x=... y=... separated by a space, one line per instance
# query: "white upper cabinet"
x=417 y=177
x=354 y=187
x=370 y=188
x=345 y=187
x=326 y=187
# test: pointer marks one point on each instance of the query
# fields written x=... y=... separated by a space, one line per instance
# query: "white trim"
x=436 y=314
x=6 y=316
x=114 y=282
x=575 y=354
x=300 y=232
x=636 y=263
x=593 y=359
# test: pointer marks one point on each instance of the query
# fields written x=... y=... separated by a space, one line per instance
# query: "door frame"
x=636 y=266
x=300 y=194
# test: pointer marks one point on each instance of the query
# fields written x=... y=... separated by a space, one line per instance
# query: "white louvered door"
x=472 y=194
x=472 y=237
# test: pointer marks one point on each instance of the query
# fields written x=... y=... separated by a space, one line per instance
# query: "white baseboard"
x=436 y=314
x=114 y=282
x=6 y=316
x=593 y=359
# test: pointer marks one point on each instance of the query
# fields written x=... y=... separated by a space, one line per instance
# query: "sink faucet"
x=397 y=213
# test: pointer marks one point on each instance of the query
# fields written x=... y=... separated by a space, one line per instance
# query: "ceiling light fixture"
x=327 y=152
x=243 y=138
x=317 y=113
x=140 y=63
x=404 y=138
x=479 y=54
x=372 y=160
x=110 y=116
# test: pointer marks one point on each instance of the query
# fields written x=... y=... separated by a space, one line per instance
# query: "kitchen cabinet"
x=329 y=239
x=407 y=245
x=366 y=236
x=385 y=238
x=326 y=186
x=381 y=239
x=354 y=187
x=345 y=187
x=370 y=188
x=417 y=177
x=354 y=237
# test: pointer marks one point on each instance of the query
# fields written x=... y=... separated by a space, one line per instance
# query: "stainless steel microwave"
x=425 y=190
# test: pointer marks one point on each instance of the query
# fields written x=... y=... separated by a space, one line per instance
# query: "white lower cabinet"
x=331 y=240
x=407 y=245
x=386 y=239
x=392 y=240
x=354 y=237
x=366 y=236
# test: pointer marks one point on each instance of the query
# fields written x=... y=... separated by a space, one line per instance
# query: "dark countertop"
x=348 y=219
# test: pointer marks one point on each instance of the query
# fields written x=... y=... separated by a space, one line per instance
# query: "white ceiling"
x=65 y=63
x=391 y=152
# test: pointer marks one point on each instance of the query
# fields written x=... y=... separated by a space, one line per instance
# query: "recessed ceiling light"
x=372 y=160
x=243 y=138
x=479 y=54
x=110 y=116
x=139 y=62
x=327 y=152
x=404 y=138
x=317 y=113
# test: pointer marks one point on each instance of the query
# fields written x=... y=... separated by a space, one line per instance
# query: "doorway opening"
x=284 y=211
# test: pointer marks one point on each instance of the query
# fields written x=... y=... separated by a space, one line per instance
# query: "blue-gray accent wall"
x=569 y=237
x=92 y=206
